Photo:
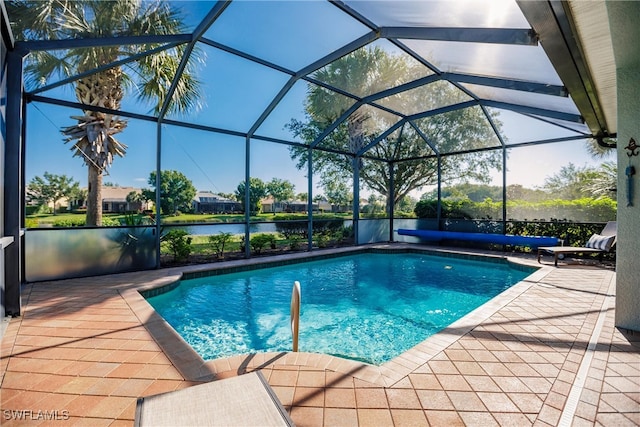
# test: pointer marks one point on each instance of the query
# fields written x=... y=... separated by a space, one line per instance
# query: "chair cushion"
x=600 y=242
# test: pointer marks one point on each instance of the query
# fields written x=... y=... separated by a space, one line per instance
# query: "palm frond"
x=597 y=151
x=152 y=75
x=604 y=182
x=155 y=18
x=43 y=65
x=94 y=141
x=72 y=21
x=37 y=19
x=157 y=73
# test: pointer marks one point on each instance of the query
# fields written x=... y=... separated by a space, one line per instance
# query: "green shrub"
x=346 y=231
x=580 y=210
x=295 y=242
x=70 y=222
x=178 y=243
x=132 y=219
x=259 y=241
x=322 y=240
x=292 y=228
x=80 y=221
x=33 y=209
x=573 y=234
x=218 y=241
x=453 y=209
x=110 y=222
x=31 y=223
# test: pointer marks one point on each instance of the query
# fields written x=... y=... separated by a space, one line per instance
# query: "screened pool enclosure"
x=355 y=108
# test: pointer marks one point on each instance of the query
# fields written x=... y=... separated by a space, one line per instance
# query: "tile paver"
x=375 y=418
x=93 y=351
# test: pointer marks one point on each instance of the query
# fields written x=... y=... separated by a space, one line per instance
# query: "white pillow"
x=600 y=242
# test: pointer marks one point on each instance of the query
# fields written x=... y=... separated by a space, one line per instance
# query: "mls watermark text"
x=31 y=415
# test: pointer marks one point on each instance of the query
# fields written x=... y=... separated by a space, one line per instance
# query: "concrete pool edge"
x=194 y=368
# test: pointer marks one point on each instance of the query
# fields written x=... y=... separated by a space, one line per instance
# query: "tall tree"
x=52 y=188
x=176 y=191
x=149 y=77
x=573 y=182
x=338 y=193
x=280 y=189
x=368 y=71
x=257 y=191
x=136 y=198
x=570 y=182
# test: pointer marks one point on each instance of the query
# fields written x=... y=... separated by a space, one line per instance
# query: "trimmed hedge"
x=578 y=210
x=573 y=233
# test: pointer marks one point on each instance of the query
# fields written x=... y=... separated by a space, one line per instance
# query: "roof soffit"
x=594 y=34
x=553 y=22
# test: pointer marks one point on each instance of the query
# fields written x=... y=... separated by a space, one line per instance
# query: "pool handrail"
x=295 y=314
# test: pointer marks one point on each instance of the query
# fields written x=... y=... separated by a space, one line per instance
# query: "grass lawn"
x=200 y=245
x=77 y=219
x=71 y=219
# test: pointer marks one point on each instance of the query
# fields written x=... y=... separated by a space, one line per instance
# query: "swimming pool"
x=367 y=306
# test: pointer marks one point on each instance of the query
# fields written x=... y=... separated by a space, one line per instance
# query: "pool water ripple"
x=369 y=307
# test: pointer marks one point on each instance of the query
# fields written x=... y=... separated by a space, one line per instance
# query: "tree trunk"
x=390 y=203
x=94 y=197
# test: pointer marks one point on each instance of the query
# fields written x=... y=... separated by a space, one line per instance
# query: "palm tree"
x=150 y=76
x=604 y=182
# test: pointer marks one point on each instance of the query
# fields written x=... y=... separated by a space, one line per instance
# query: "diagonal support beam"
x=470 y=35
x=213 y=14
x=380 y=138
x=336 y=123
x=443 y=110
x=568 y=117
x=37 y=45
x=339 y=53
x=426 y=139
x=104 y=67
x=346 y=49
x=520 y=85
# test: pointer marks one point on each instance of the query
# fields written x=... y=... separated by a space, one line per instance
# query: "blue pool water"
x=370 y=307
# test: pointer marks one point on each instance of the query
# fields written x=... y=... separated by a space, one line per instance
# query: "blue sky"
x=215 y=161
x=236 y=92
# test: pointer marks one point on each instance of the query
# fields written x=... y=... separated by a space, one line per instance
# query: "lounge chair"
x=598 y=243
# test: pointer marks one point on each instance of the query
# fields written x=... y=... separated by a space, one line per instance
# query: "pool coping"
x=194 y=368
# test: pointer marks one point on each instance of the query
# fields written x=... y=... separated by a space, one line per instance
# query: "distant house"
x=324 y=206
x=114 y=200
x=269 y=205
x=208 y=202
x=32 y=205
x=299 y=206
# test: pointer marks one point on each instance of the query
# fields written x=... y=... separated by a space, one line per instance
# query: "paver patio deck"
x=545 y=352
